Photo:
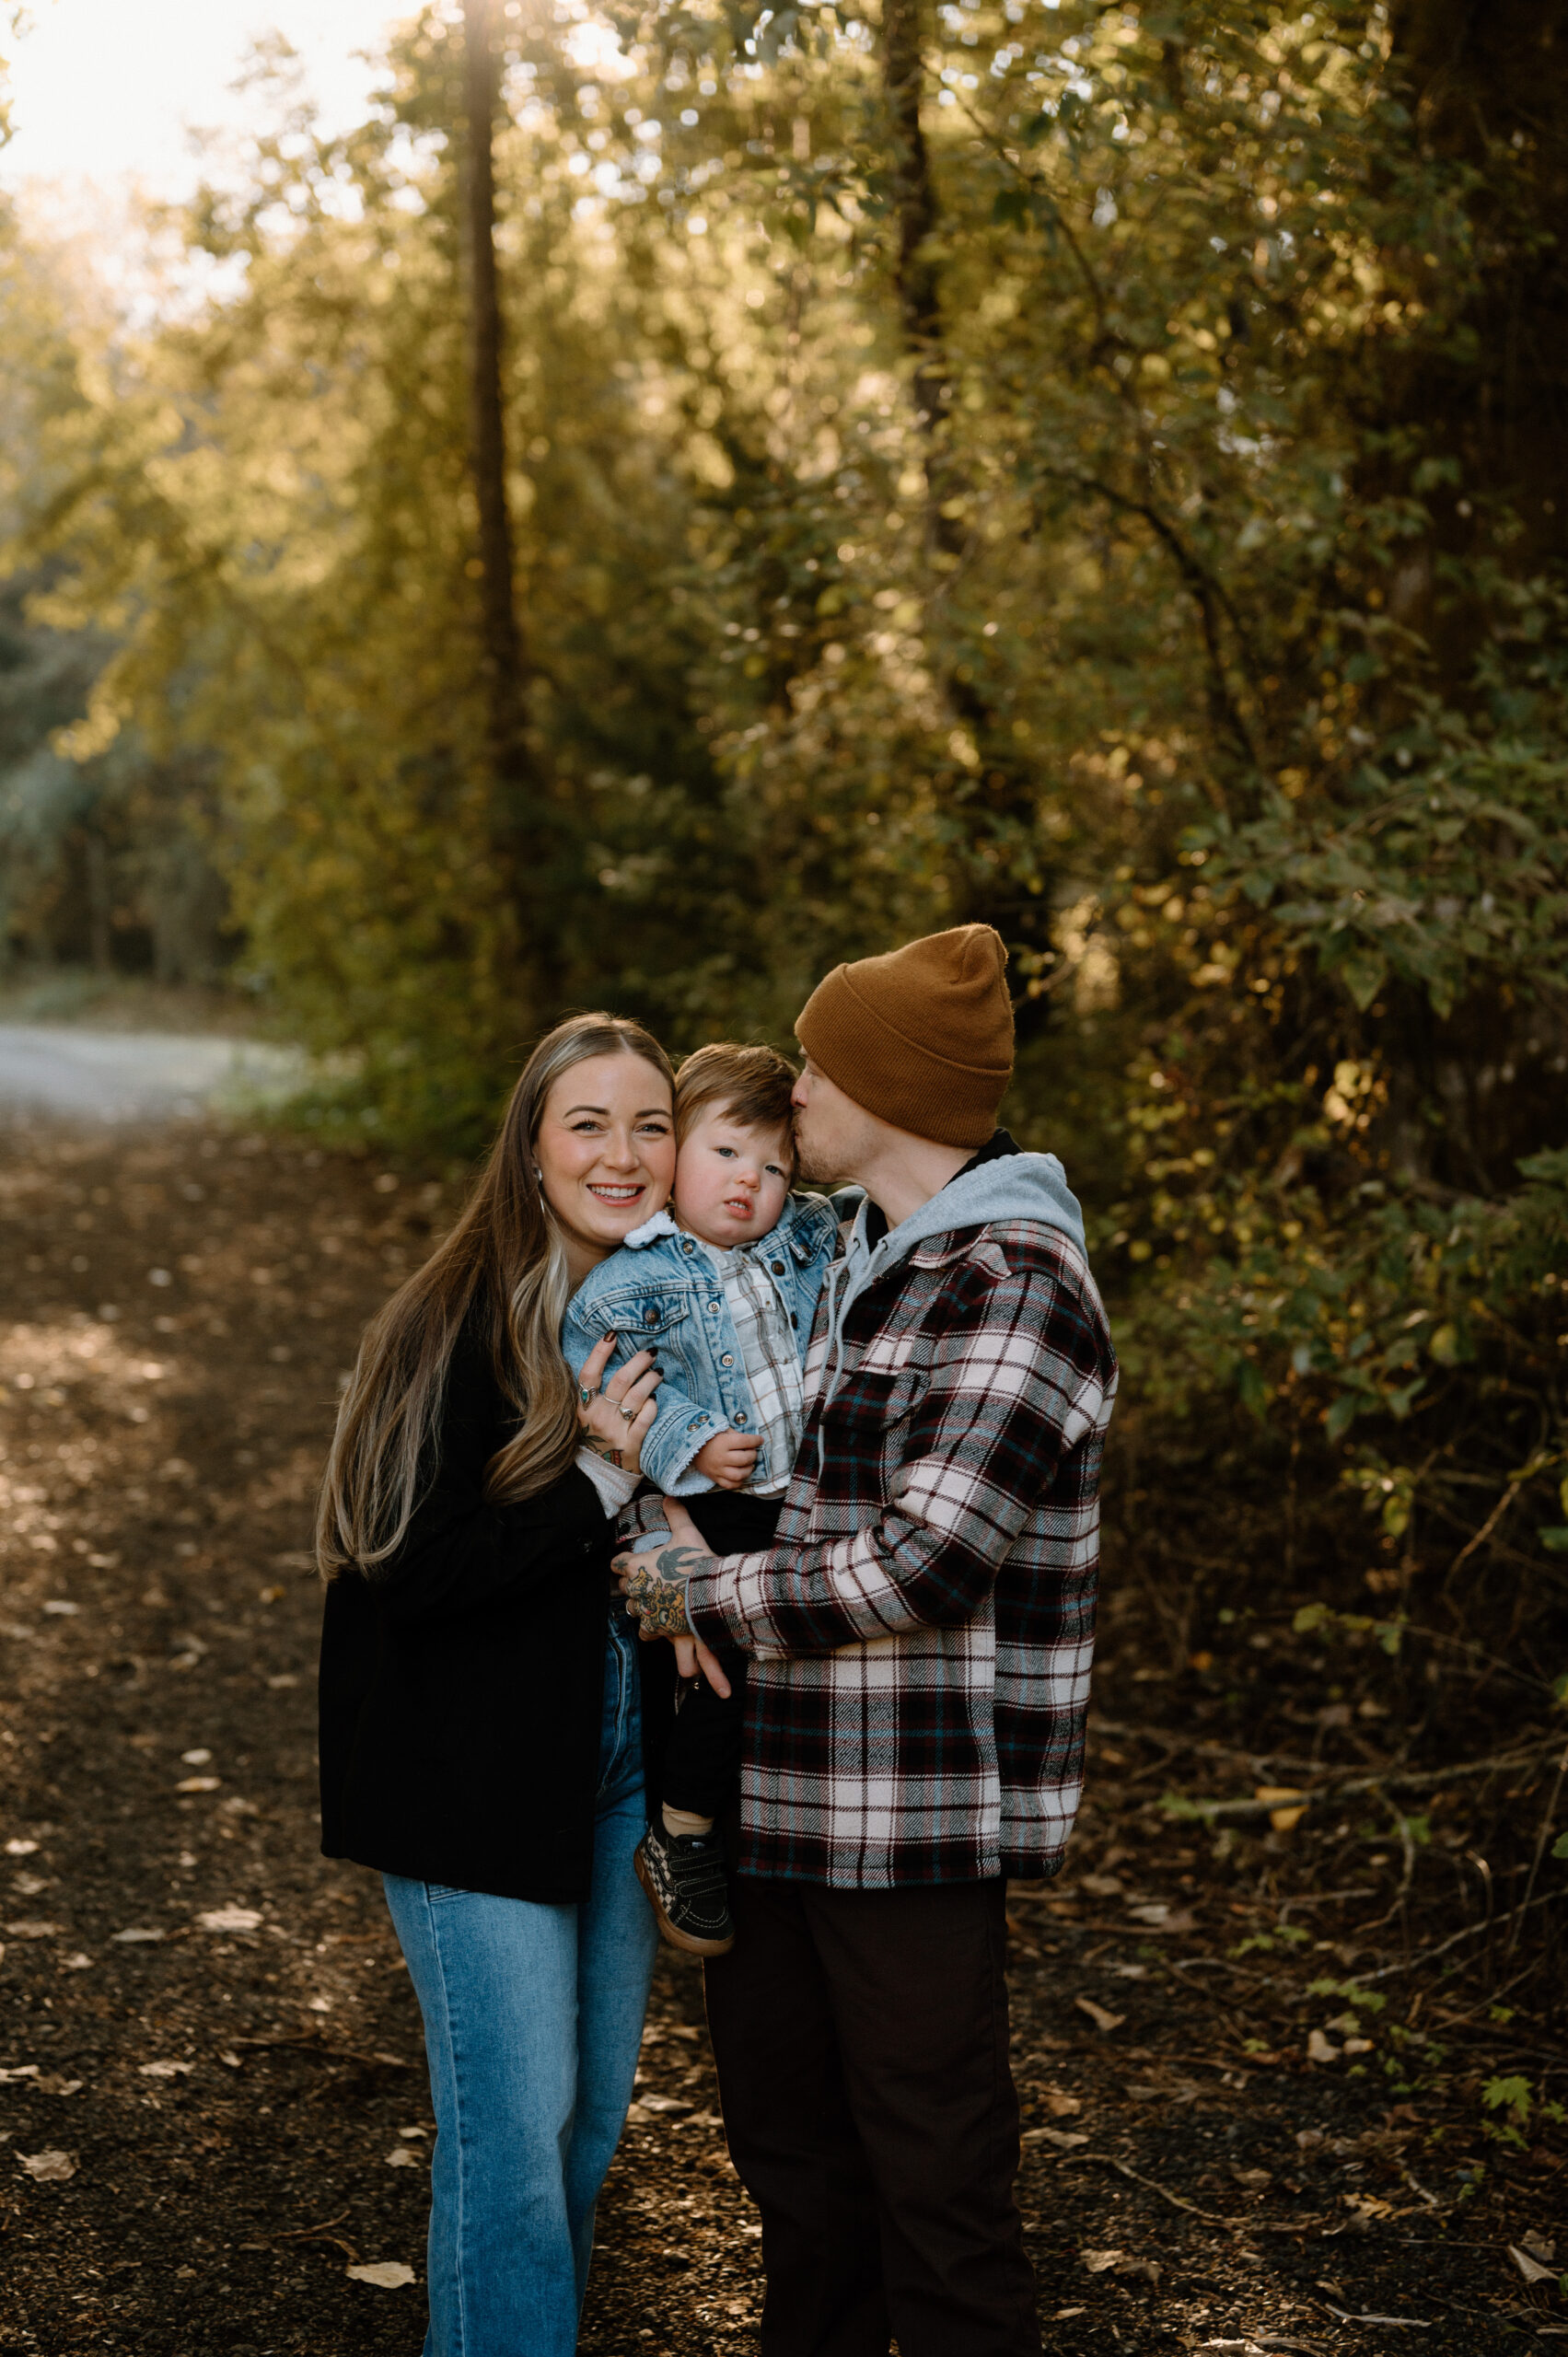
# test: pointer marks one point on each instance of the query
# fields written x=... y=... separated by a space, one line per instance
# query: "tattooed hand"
x=655 y=1587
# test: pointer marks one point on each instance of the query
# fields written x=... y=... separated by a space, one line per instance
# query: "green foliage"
x=1160 y=591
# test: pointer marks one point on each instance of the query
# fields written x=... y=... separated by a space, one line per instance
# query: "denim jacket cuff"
x=669 y=1455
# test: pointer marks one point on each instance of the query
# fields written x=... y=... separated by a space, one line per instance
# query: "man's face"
x=833 y=1133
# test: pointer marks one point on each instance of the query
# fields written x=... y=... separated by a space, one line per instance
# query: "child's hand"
x=727 y=1460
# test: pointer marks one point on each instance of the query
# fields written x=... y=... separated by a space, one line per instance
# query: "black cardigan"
x=462 y=1684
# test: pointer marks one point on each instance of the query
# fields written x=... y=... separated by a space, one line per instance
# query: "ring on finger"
x=627 y=1415
x=585 y=1396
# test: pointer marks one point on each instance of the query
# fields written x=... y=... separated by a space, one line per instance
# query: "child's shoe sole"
x=671 y=1934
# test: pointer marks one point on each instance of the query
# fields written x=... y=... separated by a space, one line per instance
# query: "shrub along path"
x=213 y=2106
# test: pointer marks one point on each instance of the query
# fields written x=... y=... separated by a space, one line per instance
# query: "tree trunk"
x=504 y=661
x=95 y=855
x=915 y=273
x=1002 y=792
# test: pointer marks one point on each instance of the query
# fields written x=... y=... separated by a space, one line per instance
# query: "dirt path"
x=212 y=2025
x=133 y=1076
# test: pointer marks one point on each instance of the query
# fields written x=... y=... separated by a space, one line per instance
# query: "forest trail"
x=211 y=2089
x=133 y=1075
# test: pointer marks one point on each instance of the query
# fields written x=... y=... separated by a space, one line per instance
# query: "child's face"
x=730 y=1180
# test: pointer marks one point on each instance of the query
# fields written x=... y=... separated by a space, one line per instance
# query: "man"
x=920 y=1634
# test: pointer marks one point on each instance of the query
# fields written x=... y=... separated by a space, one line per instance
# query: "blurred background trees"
x=681 y=495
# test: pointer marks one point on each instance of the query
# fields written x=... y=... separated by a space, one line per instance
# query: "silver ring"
x=627 y=1415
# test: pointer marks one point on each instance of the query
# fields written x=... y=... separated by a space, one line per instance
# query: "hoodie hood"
x=1013 y=1187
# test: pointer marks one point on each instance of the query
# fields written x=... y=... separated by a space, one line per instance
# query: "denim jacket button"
x=777 y=1266
x=740 y=1415
x=686 y=1244
x=713 y=1309
x=728 y=1359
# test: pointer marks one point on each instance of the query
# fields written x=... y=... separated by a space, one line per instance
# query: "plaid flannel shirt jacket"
x=922 y=1628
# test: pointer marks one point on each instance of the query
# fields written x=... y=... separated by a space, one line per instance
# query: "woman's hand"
x=615 y=1421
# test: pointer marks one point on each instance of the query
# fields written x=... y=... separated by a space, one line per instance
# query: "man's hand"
x=727 y=1460
x=654 y=1584
x=656 y=1598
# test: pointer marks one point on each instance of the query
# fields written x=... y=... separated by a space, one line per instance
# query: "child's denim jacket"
x=664 y=1290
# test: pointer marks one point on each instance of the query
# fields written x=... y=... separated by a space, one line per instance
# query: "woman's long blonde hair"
x=502 y=1267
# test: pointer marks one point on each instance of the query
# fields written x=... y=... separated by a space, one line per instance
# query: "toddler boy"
x=722 y=1286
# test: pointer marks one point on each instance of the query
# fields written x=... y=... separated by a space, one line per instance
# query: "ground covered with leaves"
x=1283 y=2030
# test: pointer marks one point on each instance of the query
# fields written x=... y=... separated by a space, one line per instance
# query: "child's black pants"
x=701 y=1759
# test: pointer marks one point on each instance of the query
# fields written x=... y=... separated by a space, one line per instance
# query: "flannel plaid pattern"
x=771 y=1357
x=922 y=1628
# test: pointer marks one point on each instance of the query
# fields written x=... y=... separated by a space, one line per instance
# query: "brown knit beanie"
x=921 y=1037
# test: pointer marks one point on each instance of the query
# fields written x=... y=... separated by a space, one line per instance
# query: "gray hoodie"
x=1016 y=1186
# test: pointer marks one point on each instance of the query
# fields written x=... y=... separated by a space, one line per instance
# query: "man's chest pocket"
x=865 y=1421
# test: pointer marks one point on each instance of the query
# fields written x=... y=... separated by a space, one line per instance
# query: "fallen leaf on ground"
x=1407 y=2324
x=55 y=2085
x=1099 y=2262
x=1061 y=2107
x=662 y=2104
x=400 y=2157
x=165 y=2069
x=18 y=2071
x=198 y=1784
x=1160 y=1916
x=135 y=1935
x=387 y=2274
x=1321 y=2050
x=1530 y=2267
x=1101 y=2018
x=16 y=1847
x=35 y=1931
x=1064 y=2139
x=48 y=2168
x=230 y=1918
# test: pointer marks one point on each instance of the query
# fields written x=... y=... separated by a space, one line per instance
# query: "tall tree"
x=515 y=775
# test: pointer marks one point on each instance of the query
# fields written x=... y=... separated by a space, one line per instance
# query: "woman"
x=480 y=1719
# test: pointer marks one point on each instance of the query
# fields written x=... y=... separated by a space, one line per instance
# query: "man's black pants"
x=861 y=2037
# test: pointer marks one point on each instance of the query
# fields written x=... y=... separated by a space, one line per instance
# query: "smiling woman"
x=481 y=1719
x=604 y=1153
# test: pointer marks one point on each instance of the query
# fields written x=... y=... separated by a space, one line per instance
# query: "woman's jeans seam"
x=459 y=2139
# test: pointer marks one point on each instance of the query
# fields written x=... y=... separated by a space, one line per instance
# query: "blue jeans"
x=533 y=2017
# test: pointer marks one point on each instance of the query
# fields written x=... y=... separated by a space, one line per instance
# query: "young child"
x=724 y=1291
